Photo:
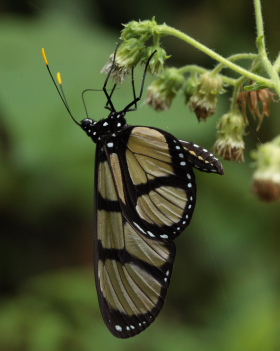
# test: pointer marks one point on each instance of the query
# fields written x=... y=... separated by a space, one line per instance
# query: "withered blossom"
x=257 y=102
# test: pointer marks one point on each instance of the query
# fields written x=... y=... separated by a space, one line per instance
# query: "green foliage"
x=224 y=294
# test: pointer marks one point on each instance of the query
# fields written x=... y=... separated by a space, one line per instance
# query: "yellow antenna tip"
x=45 y=56
x=59 y=79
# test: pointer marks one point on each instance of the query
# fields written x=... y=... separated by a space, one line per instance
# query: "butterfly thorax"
x=105 y=127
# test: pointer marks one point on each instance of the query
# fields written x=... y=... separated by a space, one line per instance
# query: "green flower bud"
x=163 y=90
x=230 y=144
x=190 y=87
x=156 y=64
x=204 y=100
x=127 y=56
x=136 y=29
x=266 y=178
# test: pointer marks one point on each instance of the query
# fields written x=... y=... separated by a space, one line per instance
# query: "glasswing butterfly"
x=145 y=195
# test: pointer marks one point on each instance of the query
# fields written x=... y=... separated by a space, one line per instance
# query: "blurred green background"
x=224 y=294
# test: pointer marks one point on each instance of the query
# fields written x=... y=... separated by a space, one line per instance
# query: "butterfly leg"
x=136 y=99
x=109 y=105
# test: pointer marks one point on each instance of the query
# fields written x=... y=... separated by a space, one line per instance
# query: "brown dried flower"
x=251 y=100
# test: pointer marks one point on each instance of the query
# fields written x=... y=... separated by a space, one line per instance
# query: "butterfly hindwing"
x=132 y=271
x=159 y=182
x=201 y=158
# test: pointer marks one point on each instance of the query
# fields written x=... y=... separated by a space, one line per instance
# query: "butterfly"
x=145 y=194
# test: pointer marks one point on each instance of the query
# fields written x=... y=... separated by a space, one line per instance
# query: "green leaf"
x=260 y=43
x=255 y=86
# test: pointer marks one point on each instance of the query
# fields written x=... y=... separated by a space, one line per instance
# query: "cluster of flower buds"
x=201 y=93
x=134 y=50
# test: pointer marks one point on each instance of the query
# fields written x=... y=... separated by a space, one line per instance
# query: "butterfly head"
x=97 y=130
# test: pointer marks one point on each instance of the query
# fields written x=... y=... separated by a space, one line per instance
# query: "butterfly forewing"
x=132 y=271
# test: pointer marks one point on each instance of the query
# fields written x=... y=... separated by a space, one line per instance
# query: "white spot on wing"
x=118 y=327
x=138 y=226
x=151 y=234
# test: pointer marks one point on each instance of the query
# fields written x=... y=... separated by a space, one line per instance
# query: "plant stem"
x=270 y=69
x=236 y=90
x=192 y=68
x=235 y=57
x=259 y=18
x=276 y=64
x=166 y=30
x=198 y=69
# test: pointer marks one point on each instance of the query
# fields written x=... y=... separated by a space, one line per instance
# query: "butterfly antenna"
x=59 y=88
x=83 y=98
